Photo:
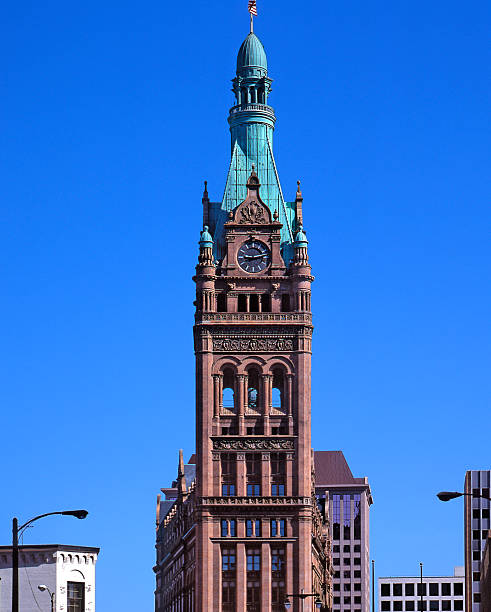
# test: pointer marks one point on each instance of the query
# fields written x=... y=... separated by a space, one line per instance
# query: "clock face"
x=253 y=256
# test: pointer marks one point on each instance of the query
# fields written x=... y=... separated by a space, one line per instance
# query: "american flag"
x=252 y=8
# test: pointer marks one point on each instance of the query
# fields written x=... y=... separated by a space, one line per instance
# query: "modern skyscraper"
x=476 y=526
x=248 y=531
x=349 y=504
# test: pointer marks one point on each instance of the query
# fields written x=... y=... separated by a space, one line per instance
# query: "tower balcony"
x=252 y=112
x=252 y=106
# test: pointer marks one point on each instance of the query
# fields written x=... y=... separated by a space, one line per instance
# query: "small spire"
x=299 y=191
x=205 y=191
x=181 y=479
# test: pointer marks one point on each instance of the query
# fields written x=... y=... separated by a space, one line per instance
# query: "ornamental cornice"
x=244 y=443
x=301 y=317
x=255 y=501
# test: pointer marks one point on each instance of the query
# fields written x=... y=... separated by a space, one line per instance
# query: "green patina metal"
x=251 y=123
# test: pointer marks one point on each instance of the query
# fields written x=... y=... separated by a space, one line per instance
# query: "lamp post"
x=16 y=530
x=448 y=495
x=43 y=587
x=303 y=596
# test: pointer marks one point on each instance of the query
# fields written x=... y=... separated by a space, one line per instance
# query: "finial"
x=275 y=215
x=253 y=167
x=252 y=8
x=181 y=463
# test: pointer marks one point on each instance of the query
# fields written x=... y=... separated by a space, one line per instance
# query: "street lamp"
x=303 y=596
x=16 y=530
x=43 y=587
x=448 y=495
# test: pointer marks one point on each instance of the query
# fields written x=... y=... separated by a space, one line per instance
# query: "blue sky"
x=112 y=115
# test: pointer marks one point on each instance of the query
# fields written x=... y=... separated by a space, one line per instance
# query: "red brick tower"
x=259 y=534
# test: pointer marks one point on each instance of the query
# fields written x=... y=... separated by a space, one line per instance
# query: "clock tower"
x=259 y=534
x=240 y=529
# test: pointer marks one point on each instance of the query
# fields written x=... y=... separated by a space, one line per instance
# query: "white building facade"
x=440 y=593
x=67 y=571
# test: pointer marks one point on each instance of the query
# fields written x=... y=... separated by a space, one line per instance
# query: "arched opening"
x=285 y=302
x=253 y=399
x=266 y=302
x=278 y=391
x=228 y=400
x=221 y=302
x=242 y=303
x=254 y=303
x=244 y=95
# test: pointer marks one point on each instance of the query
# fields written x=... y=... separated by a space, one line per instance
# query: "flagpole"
x=252 y=27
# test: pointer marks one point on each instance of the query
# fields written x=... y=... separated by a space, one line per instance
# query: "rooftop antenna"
x=252 y=8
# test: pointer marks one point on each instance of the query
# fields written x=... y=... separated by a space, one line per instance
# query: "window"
x=357 y=600
x=253 y=474
x=385 y=590
x=347 y=600
x=397 y=589
x=485 y=533
x=336 y=516
x=485 y=513
x=458 y=588
x=409 y=589
x=476 y=493
x=347 y=574
x=335 y=548
x=278 y=388
x=285 y=303
x=337 y=574
x=398 y=606
x=347 y=560
x=228 y=560
x=433 y=589
x=476 y=576
x=419 y=605
x=476 y=535
x=357 y=548
x=253 y=528
x=446 y=604
x=477 y=598
x=278 y=474
x=357 y=586
x=346 y=548
x=228 y=595
x=337 y=600
x=357 y=561
x=475 y=513
x=385 y=605
x=253 y=560
x=421 y=589
x=228 y=490
x=277 y=490
x=253 y=490
x=228 y=528
x=221 y=302
x=337 y=587
x=357 y=574
x=335 y=560
x=409 y=606
x=446 y=588
x=458 y=604
x=282 y=526
x=434 y=605
x=253 y=596
x=485 y=492
x=75 y=596
x=476 y=555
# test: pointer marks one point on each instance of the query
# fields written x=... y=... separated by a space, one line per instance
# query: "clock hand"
x=254 y=256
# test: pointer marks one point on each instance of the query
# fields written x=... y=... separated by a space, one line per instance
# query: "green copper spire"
x=251 y=123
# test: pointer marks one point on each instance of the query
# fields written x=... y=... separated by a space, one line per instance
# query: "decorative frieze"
x=255 y=501
x=252 y=344
x=302 y=317
x=253 y=444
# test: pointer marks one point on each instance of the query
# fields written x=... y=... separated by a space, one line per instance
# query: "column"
x=241 y=579
x=239 y=398
x=217 y=474
x=266 y=474
x=289 y=569
x=265 y=576
x=220 y=394
x=241 y=475
x=216 y=395
x=289 y=402
x=290 y=485
x=267 y=381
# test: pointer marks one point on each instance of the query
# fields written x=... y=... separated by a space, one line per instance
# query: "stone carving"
x=252 y=344
x=256 y=501
x=252 y=213
x=253 y=444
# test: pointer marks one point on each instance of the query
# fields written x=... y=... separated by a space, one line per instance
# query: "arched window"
x=278 y=392
x=254 y=303
x=266 y=302
x=228 y=389
x=253 y=402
